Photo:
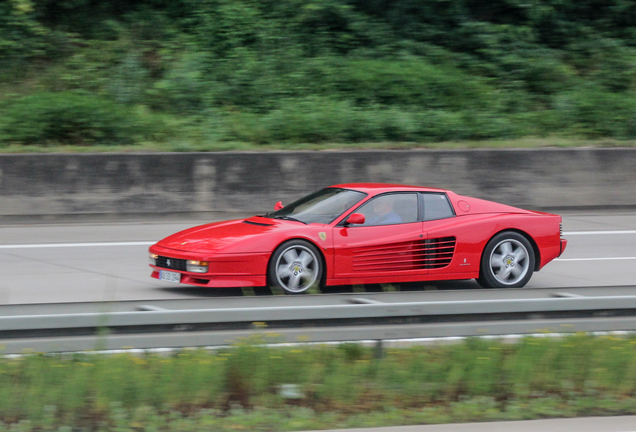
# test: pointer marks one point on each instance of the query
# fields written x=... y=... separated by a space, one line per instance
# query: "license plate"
x=170 y=276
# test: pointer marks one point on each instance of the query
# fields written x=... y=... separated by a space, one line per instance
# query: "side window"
x=390 y=209
x=436 y=206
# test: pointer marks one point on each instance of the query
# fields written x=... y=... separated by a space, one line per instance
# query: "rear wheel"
x=507 y=261
x=295 y=267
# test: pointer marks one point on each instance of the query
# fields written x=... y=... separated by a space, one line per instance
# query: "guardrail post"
x=379 y=349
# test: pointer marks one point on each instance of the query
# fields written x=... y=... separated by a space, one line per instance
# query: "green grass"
x=344 y=386
x=184 y=146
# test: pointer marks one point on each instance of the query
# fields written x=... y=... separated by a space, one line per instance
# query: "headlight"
x=195 y=266
x=153 y=259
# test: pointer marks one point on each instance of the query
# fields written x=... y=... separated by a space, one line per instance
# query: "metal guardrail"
x=155 y=317
x=154 y=327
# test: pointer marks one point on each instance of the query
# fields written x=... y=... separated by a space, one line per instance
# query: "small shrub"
x=69 y=118
x=593 y=112
x=412 y=83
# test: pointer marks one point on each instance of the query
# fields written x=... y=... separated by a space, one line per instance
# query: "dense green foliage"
x=344 y=386
x=66 y=117
x=266 y=71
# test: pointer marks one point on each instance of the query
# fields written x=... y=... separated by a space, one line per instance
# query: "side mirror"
x=355 y=218
x=278 y=205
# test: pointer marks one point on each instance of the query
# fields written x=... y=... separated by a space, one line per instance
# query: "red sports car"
x=365 y=233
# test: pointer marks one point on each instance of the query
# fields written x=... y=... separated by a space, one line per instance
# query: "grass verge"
x=263 y=387
x=196 y=146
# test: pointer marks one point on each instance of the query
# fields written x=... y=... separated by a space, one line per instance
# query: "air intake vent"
x=256 y=223
x=438 y=253
x=423 y=254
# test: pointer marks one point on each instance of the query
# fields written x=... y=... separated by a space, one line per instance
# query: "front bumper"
x=217 y=281
x=225 y=270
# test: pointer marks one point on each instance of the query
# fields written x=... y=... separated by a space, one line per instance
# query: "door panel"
x=379 y=250
x=459 y=246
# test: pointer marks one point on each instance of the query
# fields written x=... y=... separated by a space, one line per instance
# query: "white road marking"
x=148 y=243
x=596 y=259
x=571 y=233
x=61 y=245
x=575 y=233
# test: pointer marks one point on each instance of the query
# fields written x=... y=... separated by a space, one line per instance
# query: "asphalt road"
x=81 y=262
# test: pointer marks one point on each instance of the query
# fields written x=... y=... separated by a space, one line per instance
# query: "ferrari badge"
x=322 y=235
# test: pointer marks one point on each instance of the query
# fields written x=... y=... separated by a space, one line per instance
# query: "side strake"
x=409 y=255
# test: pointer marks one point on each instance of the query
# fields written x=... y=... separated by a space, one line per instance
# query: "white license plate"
x=170 y=276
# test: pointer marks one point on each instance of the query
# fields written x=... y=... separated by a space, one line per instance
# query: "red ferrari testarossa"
x=365 y=233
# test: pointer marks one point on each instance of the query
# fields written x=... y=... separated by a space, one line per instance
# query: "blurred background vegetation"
x=201 y=73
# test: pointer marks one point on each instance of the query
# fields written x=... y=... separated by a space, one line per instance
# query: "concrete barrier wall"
x=57 y=185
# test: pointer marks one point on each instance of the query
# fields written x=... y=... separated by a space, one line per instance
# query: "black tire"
x=295 y=267
x=507 y=261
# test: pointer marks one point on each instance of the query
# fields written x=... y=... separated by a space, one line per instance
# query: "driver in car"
x=383 y=213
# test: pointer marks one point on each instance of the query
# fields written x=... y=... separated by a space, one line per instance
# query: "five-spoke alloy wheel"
x=507 y=261
x=295 y=267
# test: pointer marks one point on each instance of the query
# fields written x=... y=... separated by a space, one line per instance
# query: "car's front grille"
x=171 y=263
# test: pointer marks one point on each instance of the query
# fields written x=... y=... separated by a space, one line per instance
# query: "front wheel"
x=507 y=261
x=295 y=267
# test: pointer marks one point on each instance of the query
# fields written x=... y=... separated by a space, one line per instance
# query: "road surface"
x=77 y=262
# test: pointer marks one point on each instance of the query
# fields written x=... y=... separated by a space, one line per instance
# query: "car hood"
x=220 y=235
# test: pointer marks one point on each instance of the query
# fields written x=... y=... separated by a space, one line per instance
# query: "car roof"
x=374 y=188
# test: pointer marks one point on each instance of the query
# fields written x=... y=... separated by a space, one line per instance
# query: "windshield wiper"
x=290 y=218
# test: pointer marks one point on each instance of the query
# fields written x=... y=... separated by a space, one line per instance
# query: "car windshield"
x=322 y=207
